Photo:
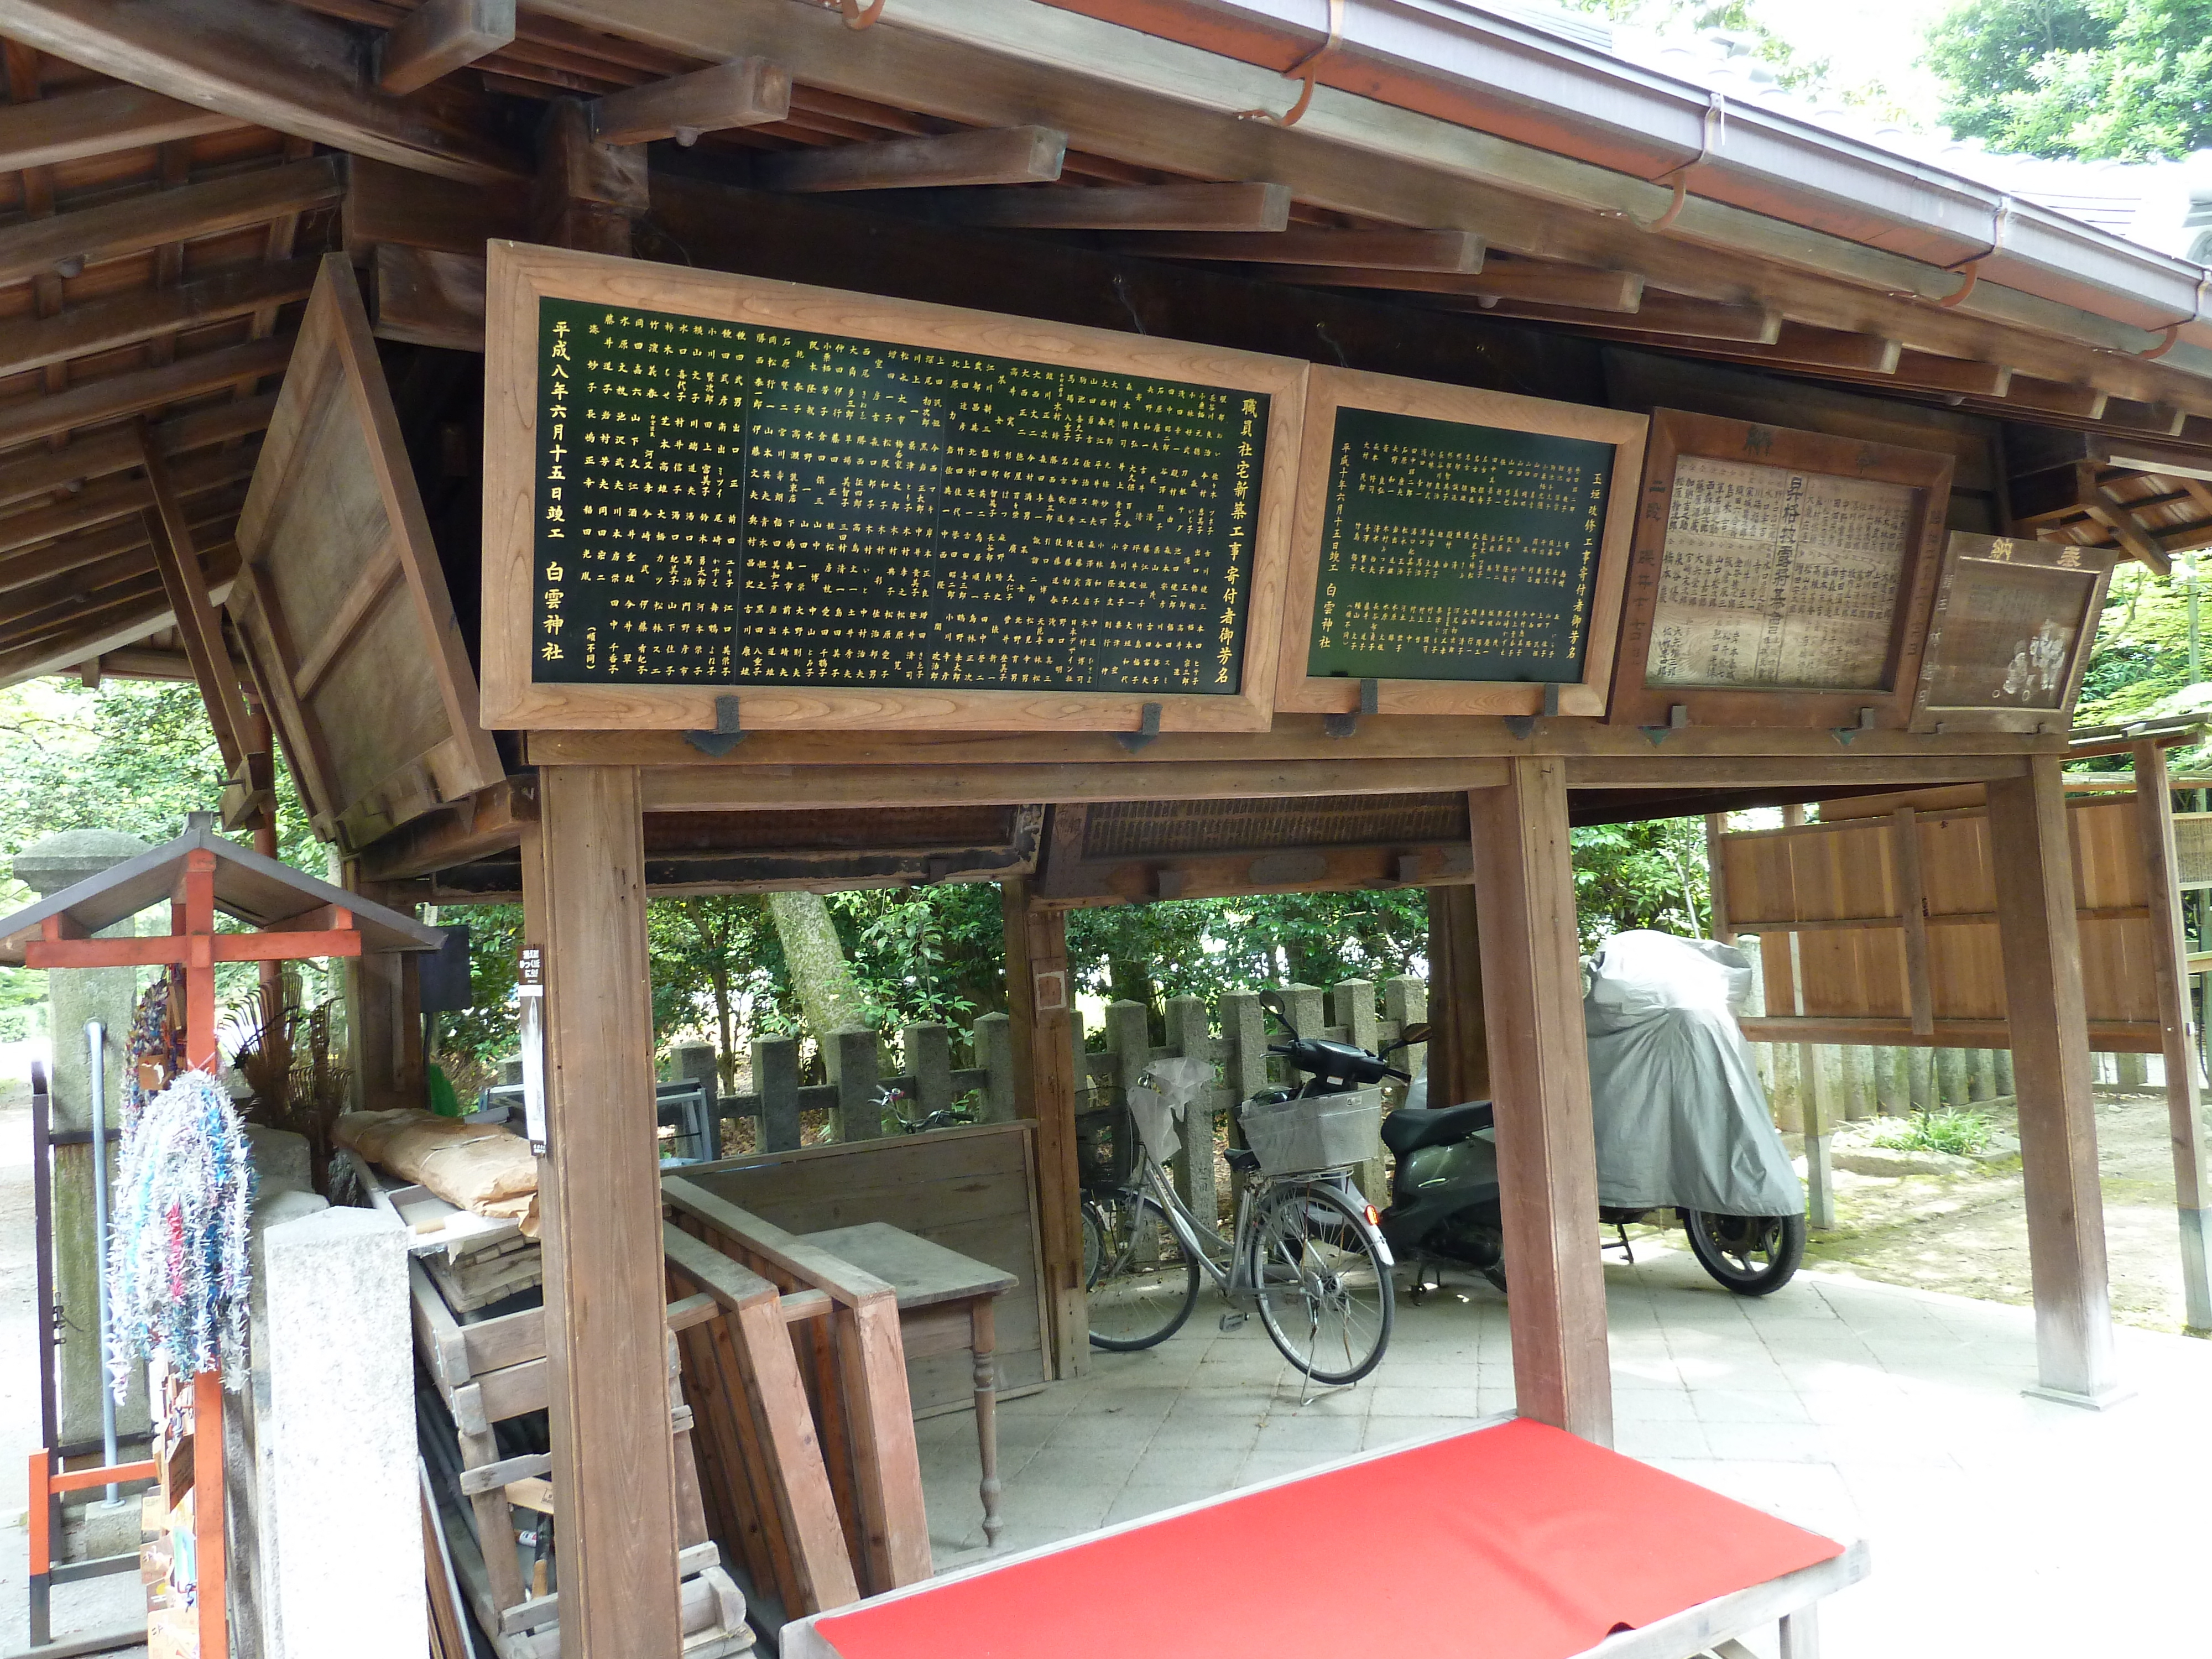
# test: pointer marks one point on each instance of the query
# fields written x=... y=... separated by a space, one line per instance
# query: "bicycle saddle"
x=1407 y=1130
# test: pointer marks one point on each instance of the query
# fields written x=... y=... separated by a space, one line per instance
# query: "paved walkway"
x=2000 y=1525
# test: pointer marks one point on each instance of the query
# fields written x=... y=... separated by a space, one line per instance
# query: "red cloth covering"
x=1513 y=1542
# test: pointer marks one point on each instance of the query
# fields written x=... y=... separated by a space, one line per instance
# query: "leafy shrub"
x=1961 y=1132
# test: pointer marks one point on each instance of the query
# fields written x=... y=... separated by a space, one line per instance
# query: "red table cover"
x=1517 y=1541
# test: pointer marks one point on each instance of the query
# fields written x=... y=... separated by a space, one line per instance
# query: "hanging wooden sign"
x=843 y=511
x=1463 y=551
x=1780 y=578
x=2014 y=624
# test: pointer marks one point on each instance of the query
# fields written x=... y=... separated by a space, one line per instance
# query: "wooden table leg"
x=983 y=1340
x=1800 y=1633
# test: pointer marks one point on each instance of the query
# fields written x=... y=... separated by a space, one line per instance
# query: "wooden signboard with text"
x=1464 y=550
x=2015 y=621
x=1781 y=578
x=852 y=512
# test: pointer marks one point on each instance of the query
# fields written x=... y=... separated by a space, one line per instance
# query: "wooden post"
x=614 y=1467
x=1540 y=1076
x=2193 y=1182
x=1813 y=1109
x=2032 y=854
x=1723 y=929
x=1459 y=1049
x=1912 y=906
x=586 y=195
x=383 y=1020
x=1039 y=998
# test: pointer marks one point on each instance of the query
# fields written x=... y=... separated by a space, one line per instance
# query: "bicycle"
x=945 y=1117
x=1305 y=1247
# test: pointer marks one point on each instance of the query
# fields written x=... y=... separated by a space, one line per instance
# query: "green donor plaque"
x=722 y=504
x=1451 y=551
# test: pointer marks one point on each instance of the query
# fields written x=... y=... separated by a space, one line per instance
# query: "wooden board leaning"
x=1779 y=578
x=865 y=465
x=1464 y=550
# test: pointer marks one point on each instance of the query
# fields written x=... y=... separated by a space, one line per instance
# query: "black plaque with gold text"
x=1452 y=552
x=718 y=503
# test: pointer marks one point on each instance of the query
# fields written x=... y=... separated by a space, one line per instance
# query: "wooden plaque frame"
x=1328 y=390
x=2094 y=564
x=1676 y=433
x=520 y=274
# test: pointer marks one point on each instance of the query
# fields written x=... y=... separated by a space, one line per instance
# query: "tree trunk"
x=826 y=995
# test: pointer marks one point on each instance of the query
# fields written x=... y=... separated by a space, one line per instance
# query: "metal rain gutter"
x=1492 y=73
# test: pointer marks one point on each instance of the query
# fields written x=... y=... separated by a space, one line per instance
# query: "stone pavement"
x=2000 y=1525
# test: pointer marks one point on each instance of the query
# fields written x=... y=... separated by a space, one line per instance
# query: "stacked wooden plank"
x=476 y=1275
x=806 y=1437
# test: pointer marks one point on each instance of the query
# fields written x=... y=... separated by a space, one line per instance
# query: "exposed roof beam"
x=116 y=498
x=2109 y=510
x=746 y=92
x=36 y=247
x=1150 y=102
x=1447 y=250
x=999 y=155
x=2162 y=419
x=1826 y=348
x=440 y=36
x=1521 y=281
x=118 y=395
x=126 y=619
x=430 y=297
x=210 y=510
x=116 y=452
x=127 y=663
x=1248 y=208
x=274 y=65
x=106 y=325
x=1959 y=374
x=2058 y=398
x=385 y=204
x=199 y=624
x=47 y=131
x=1665 y=313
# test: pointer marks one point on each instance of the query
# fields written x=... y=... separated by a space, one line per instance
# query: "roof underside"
x=167 y=180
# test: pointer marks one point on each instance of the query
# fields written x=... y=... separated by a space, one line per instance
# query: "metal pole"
x=95 y=1043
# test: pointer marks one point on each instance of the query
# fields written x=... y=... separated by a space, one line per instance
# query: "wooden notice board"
x=1780 y=578
x=2014 y=624
x=852 y=512
x=1464 y=550
x=341 y=605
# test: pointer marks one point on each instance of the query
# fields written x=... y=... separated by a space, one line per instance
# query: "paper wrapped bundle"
x=479 y=1166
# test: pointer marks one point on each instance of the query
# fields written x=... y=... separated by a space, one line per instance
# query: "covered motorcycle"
x=1682 y=1121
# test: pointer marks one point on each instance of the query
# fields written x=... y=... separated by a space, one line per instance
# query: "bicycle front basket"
x=1320 y=1132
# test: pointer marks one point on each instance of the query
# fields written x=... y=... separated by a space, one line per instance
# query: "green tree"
x=1642 y=875
x=2125 y=80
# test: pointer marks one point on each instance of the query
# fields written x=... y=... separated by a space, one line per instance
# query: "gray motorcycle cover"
x=1682 y=1119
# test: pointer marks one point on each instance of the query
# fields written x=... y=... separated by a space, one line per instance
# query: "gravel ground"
x=1967 y=1234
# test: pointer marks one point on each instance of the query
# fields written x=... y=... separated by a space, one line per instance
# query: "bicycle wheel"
x=1142 y=1283
x=1752 y=1255
x=1325 y=1293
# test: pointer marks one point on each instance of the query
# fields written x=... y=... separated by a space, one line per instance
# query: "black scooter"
x=1444 y=1209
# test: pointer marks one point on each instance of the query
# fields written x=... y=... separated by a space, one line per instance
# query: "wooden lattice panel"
x=1860 y=927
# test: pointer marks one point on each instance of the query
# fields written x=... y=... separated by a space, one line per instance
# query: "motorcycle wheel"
x=1752 y=1255
x=1141 y=1284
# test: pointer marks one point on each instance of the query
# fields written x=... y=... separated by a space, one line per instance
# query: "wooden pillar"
x=1042 y=1002
x=384 y=1019
x=586 y=195
x=1459 y=1045
x=2034 y=862
x=1540 y=1076
x=614 y=1467
x=1723 y=929
x=2193 y=1182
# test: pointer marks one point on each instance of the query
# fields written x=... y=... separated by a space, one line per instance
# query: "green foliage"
x=1960 y=1132
x=1642 y=875
x=2126 y=80
x=2138 y=668
x=133 y=756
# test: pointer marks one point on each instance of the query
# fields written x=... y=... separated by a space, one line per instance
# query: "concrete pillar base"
x=2103 y=1399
